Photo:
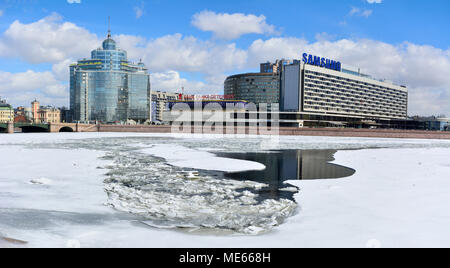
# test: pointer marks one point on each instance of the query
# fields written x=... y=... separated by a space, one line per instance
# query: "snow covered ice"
x=138 y=181
x=112 y=190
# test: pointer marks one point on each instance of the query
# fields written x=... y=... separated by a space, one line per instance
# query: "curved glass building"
x=257 y=88
x=108 y=88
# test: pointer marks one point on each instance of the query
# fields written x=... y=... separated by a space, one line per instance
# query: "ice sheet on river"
x=181 y=156
x=153 y=189
x=397 y=196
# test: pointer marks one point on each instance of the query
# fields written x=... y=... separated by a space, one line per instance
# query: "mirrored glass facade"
x=108 y=88
x=258 y=88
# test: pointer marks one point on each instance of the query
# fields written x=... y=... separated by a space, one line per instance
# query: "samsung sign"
x=321 y=62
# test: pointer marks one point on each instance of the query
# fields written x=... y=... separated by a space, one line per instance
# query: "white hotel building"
x=312 y=93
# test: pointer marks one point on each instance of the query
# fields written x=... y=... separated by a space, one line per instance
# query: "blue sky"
x=391 y=21
x=179 y=39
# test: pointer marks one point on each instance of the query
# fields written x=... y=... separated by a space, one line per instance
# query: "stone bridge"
x=59 y=127
x=283 y=131
x=25 y=127
x=73 y=127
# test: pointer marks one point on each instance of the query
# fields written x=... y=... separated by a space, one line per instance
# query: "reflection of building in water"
x=290 y=165
x=300 y=165
x=311 y=165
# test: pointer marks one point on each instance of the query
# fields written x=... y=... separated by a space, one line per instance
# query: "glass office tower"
x=108 y=88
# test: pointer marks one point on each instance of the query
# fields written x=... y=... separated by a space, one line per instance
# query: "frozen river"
x=139 y=190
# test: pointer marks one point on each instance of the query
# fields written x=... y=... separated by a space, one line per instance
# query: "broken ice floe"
x=41 y=181
x=222 y=209
x=143 y=185
x=289 y=189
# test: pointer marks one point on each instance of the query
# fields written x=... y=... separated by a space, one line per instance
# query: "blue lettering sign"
x=316 y=61
x=321 y=62
x=305 y=58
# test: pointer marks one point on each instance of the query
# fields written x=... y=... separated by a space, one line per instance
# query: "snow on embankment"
x=183 y=157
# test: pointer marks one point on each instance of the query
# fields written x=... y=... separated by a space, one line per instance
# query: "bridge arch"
x=66 y=129
x=33 y=129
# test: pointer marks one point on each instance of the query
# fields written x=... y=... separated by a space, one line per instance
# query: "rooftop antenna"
x=109 y=27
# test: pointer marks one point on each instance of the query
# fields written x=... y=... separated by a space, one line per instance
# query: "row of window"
x=318 y=107
x=352 y=105
x=347 y=93
x=318 y=92
x=347 y=80
x=357 y=89
x=366 y=107
x=348 y=97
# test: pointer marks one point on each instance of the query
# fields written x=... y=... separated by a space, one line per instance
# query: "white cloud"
x=374 y=1
x=74 y=1
x=231 y=26
x=354 y=11
x=366 y=13
x=275 y=48
x=325 y=36
x=171 y=81
x=25 y=81
x=21 y=88
x=183 y=53
x=61 y=69
x=1 y=12
x=48 y=40
x=139 y=12
x=25 y=99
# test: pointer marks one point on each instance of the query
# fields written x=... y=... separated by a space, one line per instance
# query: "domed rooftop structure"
x=109 y=43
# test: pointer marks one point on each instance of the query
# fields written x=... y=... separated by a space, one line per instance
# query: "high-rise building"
x=319 y=86
x=257 y=88
x=316 y=91
x=108 y=88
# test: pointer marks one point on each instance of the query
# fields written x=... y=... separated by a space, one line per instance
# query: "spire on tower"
x=109 y=27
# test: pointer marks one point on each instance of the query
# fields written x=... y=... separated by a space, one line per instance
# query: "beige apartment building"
x=6 y=113
x=44 y=115
x=49 y=115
